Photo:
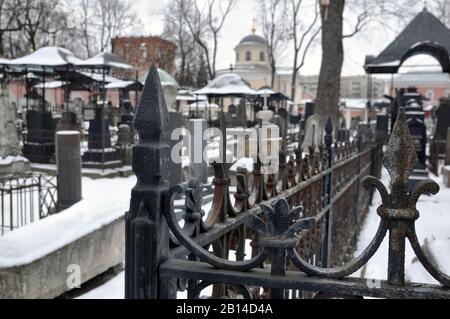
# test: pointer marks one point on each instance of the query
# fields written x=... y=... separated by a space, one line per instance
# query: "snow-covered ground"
x=104 y=201
x=433 y=229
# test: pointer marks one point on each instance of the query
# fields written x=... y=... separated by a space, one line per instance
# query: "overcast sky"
x=240 y=22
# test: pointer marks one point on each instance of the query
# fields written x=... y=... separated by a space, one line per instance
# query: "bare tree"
x=9 y=10
x=111 y=18
x=272 y=19
x=205 y=23
x=34 y=16
x=359 y=16
x=303 y=35
x=86 y=15
x=177 y=31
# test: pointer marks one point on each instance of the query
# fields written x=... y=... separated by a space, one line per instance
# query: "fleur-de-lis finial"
x=282 y=225
x=401 y=157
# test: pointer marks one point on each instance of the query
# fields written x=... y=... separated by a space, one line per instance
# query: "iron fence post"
x=147 y=235
x=328 y=220
x=357 y=201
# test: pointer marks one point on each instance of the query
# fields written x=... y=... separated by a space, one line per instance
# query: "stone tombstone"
x=309 y=110
x=198 y=167
x=68 y=162
x=100 y=153
x=416 y=123
x=39 y=146
x=415 y=117
x=176 y=169
x=124 y=144
x=283 y=124
x=11 y=161
x=447 y=149
x=312 y=133
x=241 y=114
x=68 y=122
x=231 y=116
x=382 y=128
x=9 y=141
x=443 y=119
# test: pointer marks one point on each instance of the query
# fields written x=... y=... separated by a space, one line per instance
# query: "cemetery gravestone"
x=309 y=110
x=241 y=115
x=312 y=136
x=100 y=153
x=198 y=167
x=446 y=168
x=416 y=123
x=39 y=146
x=124 y=144
x=176 y=169
x=68 y=161
x=443 y=123
x=382 y=128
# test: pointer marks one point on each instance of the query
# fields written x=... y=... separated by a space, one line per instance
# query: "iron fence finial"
x=401 y=156
x=152 y=116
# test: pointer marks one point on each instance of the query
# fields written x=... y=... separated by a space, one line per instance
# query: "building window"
x=248 y=56
x=237 y=57
x=262 y=57
x=125 y=50
x=144 y=51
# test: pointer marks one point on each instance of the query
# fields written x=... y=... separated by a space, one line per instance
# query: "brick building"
x=142 y=52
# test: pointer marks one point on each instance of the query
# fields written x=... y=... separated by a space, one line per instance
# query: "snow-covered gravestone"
x=312 y=133
x=269 y=141
x=11 y=160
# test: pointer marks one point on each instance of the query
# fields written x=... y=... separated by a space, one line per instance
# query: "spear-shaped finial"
x=152 y=117
x=401 y=157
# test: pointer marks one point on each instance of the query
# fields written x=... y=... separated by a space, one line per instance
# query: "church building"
x=252 y=64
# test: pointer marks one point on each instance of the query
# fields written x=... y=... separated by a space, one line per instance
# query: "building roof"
x=424 y=35
x=47 y=57
x=253 y=38
x=229 y=84
x=106 y=60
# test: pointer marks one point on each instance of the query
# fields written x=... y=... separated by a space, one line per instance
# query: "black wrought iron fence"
x=289 y=235
x=25 y=199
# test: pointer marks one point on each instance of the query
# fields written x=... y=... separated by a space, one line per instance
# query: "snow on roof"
x=47 y=57
x=265 y=91
x=227 y=84
x=99 y=77
x=202 y=106
x=106 y=59
x=122 y=85
x=51 y=85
